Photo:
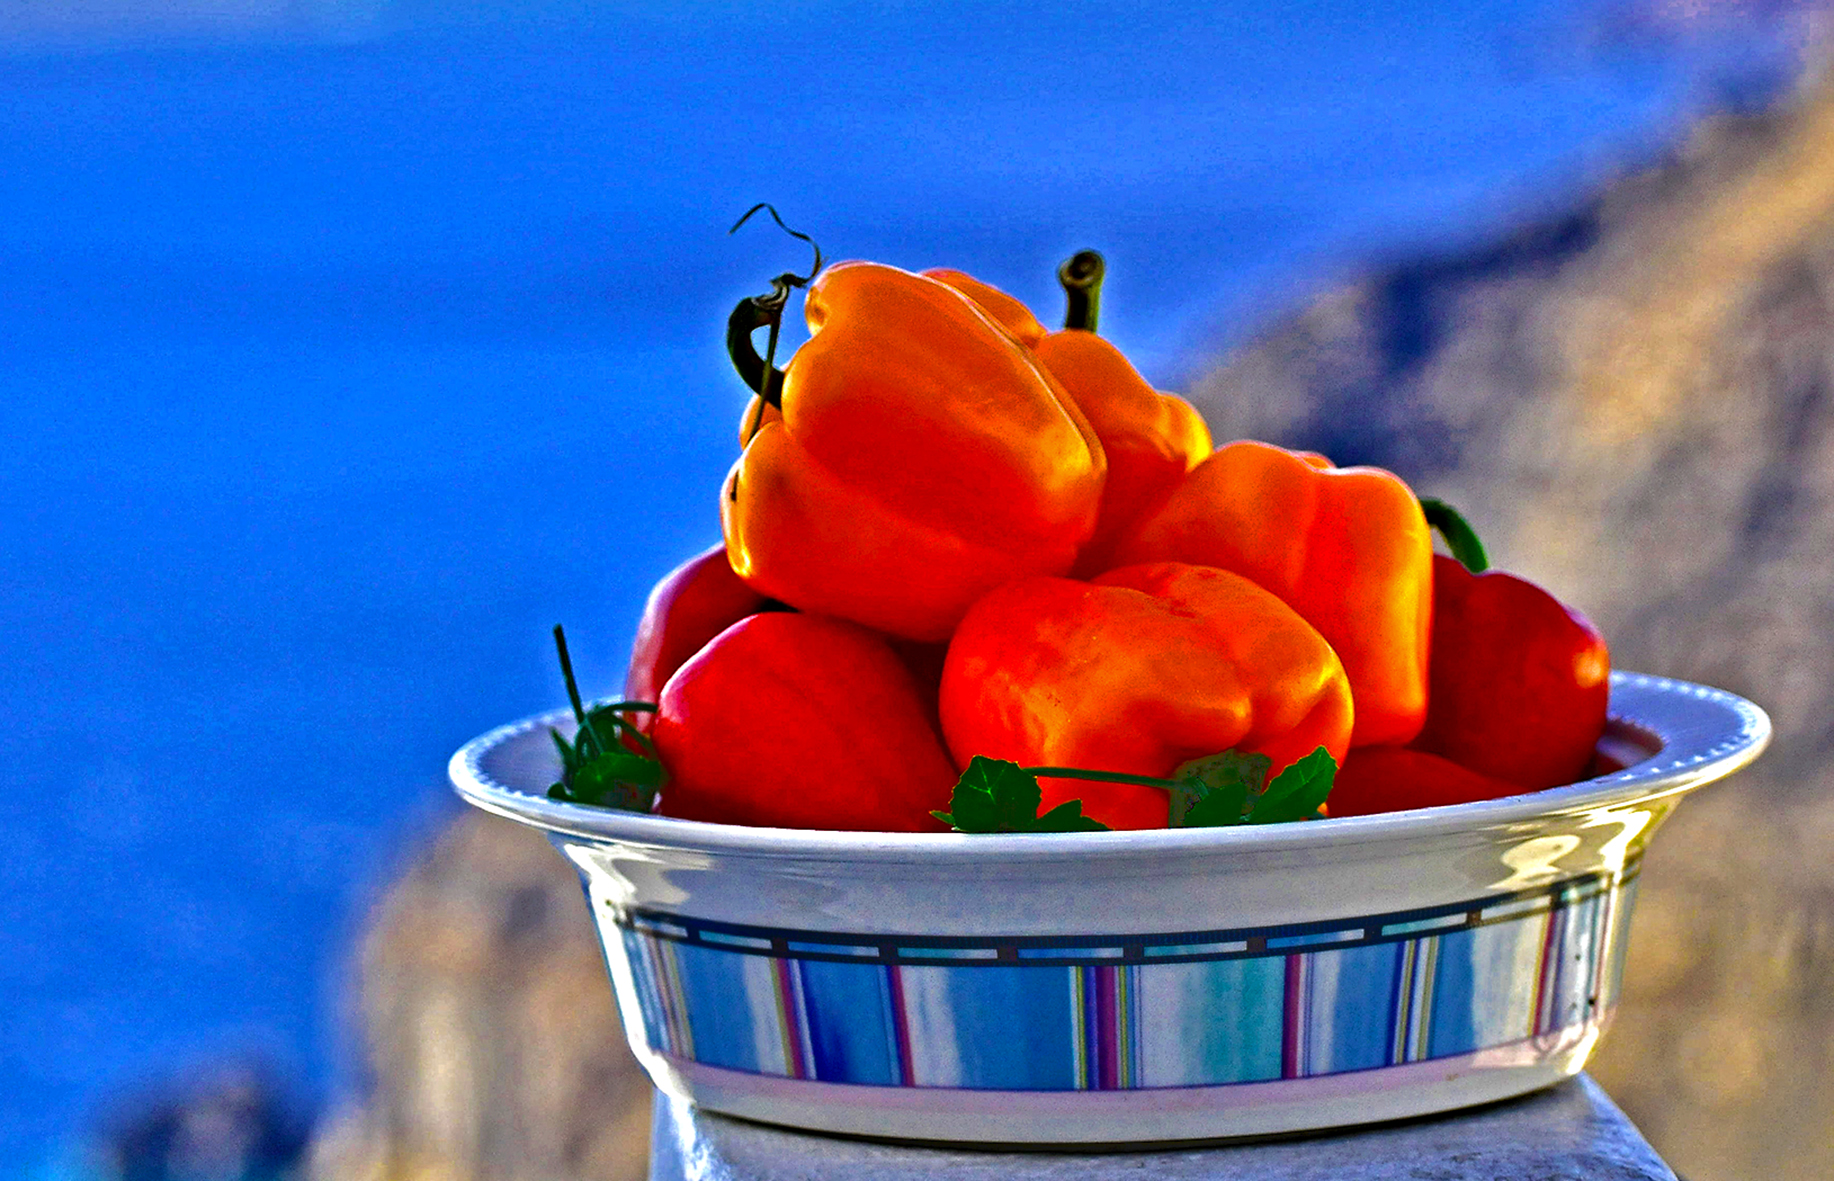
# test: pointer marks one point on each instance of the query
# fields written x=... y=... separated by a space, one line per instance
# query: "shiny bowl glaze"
x=1128 y=987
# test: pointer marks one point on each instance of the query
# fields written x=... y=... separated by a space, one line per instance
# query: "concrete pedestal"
x=1567 y=1132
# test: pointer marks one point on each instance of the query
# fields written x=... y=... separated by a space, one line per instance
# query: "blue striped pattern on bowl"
x=1111 y=1013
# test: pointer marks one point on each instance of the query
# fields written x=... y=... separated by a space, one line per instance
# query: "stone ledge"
x=1566 y=1133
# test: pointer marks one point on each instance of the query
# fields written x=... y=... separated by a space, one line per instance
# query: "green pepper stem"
x=761 y=373
x=763 y=378
x=1098 y=776
x=566 y=671
x=622 y=707
x=1081 y=277
x=793 y=280
x=623 y=729
x=1460 y=537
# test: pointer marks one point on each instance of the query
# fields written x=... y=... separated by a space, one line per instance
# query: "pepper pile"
x=973 y=568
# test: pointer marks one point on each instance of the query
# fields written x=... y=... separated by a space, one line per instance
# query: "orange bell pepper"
x=1004 y=310
x=1141 y=670
x=1151 y=439
x=1347 y=548
x=919 y=458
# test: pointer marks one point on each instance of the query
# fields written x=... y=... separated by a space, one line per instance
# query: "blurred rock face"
x=494 y=1045
x=1635 y=407
x=232 y=1122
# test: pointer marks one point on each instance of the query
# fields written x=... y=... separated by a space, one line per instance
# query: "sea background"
x=347 y=347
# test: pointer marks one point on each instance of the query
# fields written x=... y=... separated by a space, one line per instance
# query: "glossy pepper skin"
x=1347 y=548
x=1376 y=779
x=1140 y=670
x=921 y=458
x=800 y=721
x=1151 y=439
x=1520 y=683
x=1005 y=310
x=693 y=603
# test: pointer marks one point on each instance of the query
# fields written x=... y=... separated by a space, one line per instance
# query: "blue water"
x=340 y=359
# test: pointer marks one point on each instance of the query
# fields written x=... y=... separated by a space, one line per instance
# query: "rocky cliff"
x=1633 y=405
x=493 y=1045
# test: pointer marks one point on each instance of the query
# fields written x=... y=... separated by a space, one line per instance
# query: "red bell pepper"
x=800 y=721
x=1392 y=778
x=694 y=602
x=1519 y=683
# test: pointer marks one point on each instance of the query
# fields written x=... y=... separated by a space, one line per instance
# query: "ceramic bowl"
x=1128 y=987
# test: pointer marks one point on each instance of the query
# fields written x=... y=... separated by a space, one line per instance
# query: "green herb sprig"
x=996 y=795
x=1226 y=789
x=610 y=763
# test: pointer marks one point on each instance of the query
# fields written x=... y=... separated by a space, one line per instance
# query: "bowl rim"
x=1704 y=734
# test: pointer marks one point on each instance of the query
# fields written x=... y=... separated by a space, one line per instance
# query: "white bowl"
x=1128 y=987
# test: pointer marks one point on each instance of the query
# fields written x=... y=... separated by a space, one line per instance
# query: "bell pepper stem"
x=791 y=279
x=1460 y=537
x=759 y=311
x=566 y=672
x=759 y=373
x=1098 y=776
x=1081 y=278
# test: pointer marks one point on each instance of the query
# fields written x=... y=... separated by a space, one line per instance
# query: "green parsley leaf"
x=617 y=780
x=1216 y=808
x=1225 y=789
x=568 y=760
x=1215 y=790
x=610 y=762
x=609 y=722
x=615 y=777
x=1067 y=817
x=1297 y=792
x=993 y=795
x=997 y=795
